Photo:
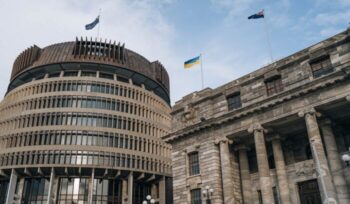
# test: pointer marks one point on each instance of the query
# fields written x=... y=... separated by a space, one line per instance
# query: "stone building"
x=275 y=135
x=82 y=122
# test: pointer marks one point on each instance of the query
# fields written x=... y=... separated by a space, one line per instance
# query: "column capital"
x=347 y=98
x=257 y=127
x=223 y=140
x=309 y=111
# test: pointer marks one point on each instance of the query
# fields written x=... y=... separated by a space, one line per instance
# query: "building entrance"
x=309 y=192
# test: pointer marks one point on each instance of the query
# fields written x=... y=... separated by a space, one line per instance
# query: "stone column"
x=324 y=177
x=51 y=192
x=226 y=171
x=280 y=170
x=263 y=164
x=11 y=187
x=130 y=187
x=245 y=174
x=162 y=191
x=334 y=162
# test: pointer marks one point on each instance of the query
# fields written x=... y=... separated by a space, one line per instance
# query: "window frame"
x=321 y=66
x=274 y=85
x=193 y=163
x=234 y=101
x=196 y=196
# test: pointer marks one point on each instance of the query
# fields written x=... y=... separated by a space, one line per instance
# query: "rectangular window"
x=321 y=66
x=106 y=76
x=196 y=196
x=88 y=74
x=234 y=101
x=260 y=197
x=193 y=163
x=274 y=85
x=70 y=73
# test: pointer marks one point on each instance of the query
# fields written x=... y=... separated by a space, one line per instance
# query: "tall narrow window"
x=260 y=197
x=274 y=85
x=196 y=196
x=321 y=66
x=234 y=101
x=193 y=163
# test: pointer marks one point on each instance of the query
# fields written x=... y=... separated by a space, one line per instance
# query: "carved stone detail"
x=305 y=169
x=309 y=111
x=223 y=140
x=257 y=127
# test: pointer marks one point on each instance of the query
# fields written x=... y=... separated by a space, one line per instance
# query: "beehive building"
x=82 y=122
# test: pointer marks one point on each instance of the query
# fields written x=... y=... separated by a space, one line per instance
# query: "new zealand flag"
x=257 y=15
x=93 y=24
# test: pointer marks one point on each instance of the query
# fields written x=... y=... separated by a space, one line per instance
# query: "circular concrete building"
x=82 y=123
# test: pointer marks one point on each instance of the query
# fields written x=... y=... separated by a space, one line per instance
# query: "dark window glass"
x=196 y=196
x=260 y=197
x=141 y=190
x=234 y=101
x=122 y=79
x=194 y=163
x=88 y=74
x=3 y=190
x=73 y=190
x=57 y=74
x=321 y=66
x=274 y=85
x=106 y=76
x=70 y=74
x=107 y=190
x=35 y=190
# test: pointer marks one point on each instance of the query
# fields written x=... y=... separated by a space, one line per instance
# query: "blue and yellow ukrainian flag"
x=190 y=63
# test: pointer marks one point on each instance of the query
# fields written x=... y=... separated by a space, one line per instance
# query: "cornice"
x=312 y=86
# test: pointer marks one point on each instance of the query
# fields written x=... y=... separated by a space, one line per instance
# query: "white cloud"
x=327 y=32
x=329 y=19
x=138 y=24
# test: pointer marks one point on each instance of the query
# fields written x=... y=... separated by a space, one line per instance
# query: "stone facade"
x=275 y=135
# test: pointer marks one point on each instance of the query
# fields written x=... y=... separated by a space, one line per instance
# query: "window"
x=260 y=197
x=234 y=101
x=194 y=163
x=73 y=190
x=57 y=74
x=107 y=190
x=196 y=196
x=106 y=76
x=70 y=74
x=122 y=79
x=35 y=190
x=88 y=74
x=274 y=85
x=3 y=190
x=321 y=66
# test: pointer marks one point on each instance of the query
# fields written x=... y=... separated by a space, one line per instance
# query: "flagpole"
x=268 y=38
x=98 y=26
x=201 y=56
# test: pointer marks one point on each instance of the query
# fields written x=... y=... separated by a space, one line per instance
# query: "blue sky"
x=173 y=31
